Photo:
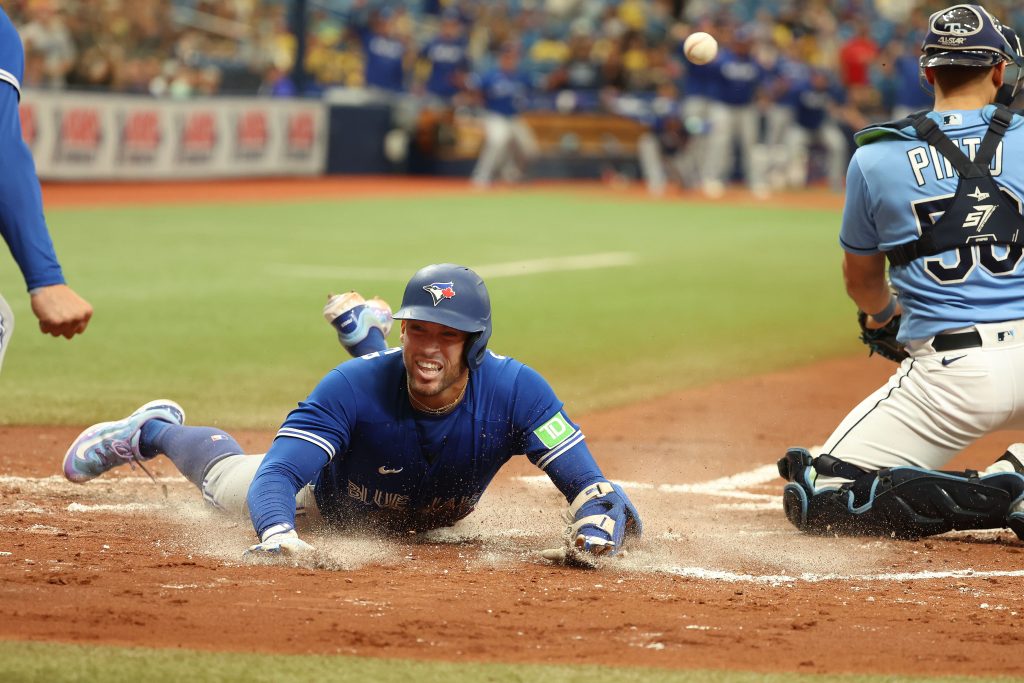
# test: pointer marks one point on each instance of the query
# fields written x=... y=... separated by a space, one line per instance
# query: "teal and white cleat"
x=109 y=444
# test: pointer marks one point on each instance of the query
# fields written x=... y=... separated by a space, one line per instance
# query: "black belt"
x=957 y=340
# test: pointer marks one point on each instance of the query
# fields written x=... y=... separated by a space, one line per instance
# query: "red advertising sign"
x=80 y=133
x=252 y=134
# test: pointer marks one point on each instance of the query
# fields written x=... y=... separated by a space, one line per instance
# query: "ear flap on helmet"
x=1014 y=75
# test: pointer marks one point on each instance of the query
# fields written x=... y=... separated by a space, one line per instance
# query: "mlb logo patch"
x=439 y=291
x=952 y=120
x=1006 y=336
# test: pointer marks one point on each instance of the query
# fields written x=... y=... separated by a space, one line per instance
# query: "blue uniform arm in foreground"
x=21 y=205
x=289 y=465
x=574 y=471
x=311 y=435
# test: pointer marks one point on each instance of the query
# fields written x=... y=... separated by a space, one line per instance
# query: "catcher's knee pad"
x=903 y=502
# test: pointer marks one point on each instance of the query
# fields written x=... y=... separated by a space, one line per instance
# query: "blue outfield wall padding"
x=355 y=141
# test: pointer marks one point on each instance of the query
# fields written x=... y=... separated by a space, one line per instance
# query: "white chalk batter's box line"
x=724 y=487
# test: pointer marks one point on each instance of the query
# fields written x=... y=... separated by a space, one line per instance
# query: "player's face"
x=433 y=356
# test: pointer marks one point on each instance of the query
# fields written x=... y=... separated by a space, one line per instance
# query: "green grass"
x=192 y=302
x=53 y=663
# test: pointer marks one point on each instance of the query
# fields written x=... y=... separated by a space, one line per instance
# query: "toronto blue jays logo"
x=439 y=291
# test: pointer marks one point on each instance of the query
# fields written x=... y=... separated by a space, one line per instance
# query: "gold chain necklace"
x=418 y=405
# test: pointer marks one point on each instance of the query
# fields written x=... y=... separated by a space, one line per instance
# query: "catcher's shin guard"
x=901 y=502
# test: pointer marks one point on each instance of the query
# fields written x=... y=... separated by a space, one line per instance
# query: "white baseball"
x=700 y=47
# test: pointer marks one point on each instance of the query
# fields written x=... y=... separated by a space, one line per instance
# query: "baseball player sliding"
x=938 y=195
x=401 y=439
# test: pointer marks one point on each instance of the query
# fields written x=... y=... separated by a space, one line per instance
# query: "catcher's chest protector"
x=980 y=212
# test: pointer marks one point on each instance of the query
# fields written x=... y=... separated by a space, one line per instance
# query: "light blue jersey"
x=898 y=183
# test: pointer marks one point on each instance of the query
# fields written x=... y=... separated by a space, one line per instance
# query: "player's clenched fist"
x=60 y=310
x=279 y=544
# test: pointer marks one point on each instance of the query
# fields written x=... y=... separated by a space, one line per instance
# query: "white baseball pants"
x=936 y=404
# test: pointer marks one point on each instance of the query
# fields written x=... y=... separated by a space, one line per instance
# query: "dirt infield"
x=78 y=195
x=720 y=581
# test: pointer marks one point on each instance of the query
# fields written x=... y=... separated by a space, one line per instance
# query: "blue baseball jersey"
x=448 y=58
x=504 y=92
x=21 y=204
x=12 y=56
x=909 y=91
x=791 y=76
x=898 y=183
x=813 y=103
x=376 y=461
x=739 y=78
x=384 y=61
x=701 y=80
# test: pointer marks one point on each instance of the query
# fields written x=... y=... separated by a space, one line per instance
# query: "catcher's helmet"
x=451 y=295
x=965 y=35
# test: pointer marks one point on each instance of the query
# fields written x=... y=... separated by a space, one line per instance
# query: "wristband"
x=885 y=314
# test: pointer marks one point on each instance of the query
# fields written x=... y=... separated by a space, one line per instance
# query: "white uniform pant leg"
x=834 y=140
x=652 y=164
x=525 y=141
x=753 y=158
x=779 y=120
x=718 y=163
x=497 y=146
x=798 y=139
x=226 y=487
x=696 y=118
x=6 y=328
x=928 y=412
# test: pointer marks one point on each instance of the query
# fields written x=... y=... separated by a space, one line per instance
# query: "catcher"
x=397 y=440
x=938 y=196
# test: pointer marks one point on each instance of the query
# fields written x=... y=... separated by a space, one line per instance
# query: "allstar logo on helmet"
x=439 y=291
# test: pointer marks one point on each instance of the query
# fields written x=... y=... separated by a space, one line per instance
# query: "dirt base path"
x=78 y=195
x=721 y=580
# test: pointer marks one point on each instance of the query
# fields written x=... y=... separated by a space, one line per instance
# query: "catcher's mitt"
x=882 y=340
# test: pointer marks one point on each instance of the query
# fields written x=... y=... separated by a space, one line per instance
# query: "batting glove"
x=600 y=518
x=279 y=543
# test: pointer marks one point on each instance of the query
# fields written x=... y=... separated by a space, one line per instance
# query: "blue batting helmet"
x=451 y=295
x=966 y=35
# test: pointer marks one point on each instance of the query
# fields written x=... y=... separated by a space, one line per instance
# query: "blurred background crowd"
x=824 y=66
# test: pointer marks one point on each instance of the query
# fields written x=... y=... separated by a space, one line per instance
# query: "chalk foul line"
x=557 y=264
x=779 y=579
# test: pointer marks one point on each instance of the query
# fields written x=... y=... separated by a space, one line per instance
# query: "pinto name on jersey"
x=927 y=164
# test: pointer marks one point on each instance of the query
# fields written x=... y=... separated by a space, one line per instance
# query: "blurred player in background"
x=819 y=106
x=734 y=116
x=662 y=150
x=938 y=196
x=508 y=141
x=61 y=312
x=397 y=440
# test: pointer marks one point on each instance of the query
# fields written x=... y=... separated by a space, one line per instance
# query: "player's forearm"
x=288 y=466
x=574 y=471
x=21 y=206
x=864 y=277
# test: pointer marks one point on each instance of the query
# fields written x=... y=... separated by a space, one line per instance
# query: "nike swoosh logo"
x=385 y=470
x=950 y=361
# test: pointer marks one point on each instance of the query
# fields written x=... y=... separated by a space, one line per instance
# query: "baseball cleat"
x=109 y=444
x=355 y=318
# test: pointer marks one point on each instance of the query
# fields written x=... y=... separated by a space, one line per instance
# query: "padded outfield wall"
x=79 y=136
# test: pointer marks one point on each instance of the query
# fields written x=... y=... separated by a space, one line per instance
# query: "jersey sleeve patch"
x=555 y=431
